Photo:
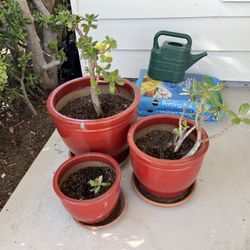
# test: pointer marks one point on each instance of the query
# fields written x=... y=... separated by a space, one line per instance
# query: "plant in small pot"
x=167 y=151
x=94 y=113
x=88 y=186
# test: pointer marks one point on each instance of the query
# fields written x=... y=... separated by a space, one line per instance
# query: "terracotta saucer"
x=123 y=159
x=116 y=215
x=162 y=202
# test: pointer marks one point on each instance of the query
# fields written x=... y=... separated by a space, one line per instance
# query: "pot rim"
x=81 y=158
x=161 y=163
x=57 y=115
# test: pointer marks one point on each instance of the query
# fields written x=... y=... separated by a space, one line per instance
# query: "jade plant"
x=97 y=184
x=207 y=104
x=95 y=53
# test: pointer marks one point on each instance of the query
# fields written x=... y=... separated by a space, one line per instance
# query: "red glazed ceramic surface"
x=163 y=178
x=105 y=135
x=93 y=210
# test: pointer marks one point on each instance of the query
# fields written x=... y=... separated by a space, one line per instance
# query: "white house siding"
x=222 y=28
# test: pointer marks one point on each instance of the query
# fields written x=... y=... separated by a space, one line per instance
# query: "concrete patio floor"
x=217 y=216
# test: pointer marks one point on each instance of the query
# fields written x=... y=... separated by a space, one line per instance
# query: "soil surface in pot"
x=77 y=187
x=83 y=108
x=159 y=144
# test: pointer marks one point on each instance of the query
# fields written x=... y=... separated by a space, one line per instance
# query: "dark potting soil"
x=76 y=186
x=83 y=108
x=159 y=144
x=22 y=136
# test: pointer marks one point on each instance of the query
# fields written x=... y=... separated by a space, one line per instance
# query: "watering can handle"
x=174 y=34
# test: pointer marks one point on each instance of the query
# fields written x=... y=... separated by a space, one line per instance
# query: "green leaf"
x=244 y=108
x=69 y=25
x=97 y=190
x=231 y=114
x=245 y=121
x=105 y=184
x=208 y=80
x=213 y=110
x=120 y=81
x=93 y=26
x=207 y=94
x=217 y=87
x=185 y=124
x=203 y=86
x=100 y=179
x=176 y=131
x=108 y=66
x=195 y=85
x=58 y=22
x=92 y=183
x=215 y=99
x=235 y=121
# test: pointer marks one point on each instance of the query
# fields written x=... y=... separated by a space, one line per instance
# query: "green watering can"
x=170 y=61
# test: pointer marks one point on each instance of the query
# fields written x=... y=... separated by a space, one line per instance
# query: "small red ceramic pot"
x=93 y=210
x=163 y=178
x=105 y=135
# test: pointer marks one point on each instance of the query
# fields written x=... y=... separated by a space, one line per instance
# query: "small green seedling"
x=97 y=184
x=207 y=104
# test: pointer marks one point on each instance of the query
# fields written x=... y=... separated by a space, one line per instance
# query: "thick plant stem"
x=198 y=119
x=25 y=95
x=96 y=101
x=26 y=98
x=187 y=133
x=196 y=145
x=40 y=6
x=38 y=60
x=183 y=114
x=93 y=79
x=94 y=95
x=80 y=33
x=181 y=139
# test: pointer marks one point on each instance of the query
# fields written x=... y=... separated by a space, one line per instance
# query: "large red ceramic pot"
x=105 y=135
x=163 y=178
x=93 y=210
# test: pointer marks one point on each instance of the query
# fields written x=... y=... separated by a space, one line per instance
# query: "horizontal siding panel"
x=235 y=1
x=218 y=26
x=209 y=34
x=149 y=8
x=233 y=66
x=235 y=9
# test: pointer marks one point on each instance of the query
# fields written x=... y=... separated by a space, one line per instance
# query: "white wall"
x=221 y=27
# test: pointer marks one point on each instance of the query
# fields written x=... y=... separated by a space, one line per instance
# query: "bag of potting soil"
x=159 y=97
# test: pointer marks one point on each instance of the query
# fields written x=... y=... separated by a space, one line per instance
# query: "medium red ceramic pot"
x=163 y=178
x=93 y=210
x=105 y=135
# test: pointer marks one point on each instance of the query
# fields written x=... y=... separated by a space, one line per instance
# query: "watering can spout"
x=194 y=58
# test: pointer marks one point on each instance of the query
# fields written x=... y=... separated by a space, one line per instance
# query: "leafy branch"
x=23 y=61
x=95 y=53
x=205 y=97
